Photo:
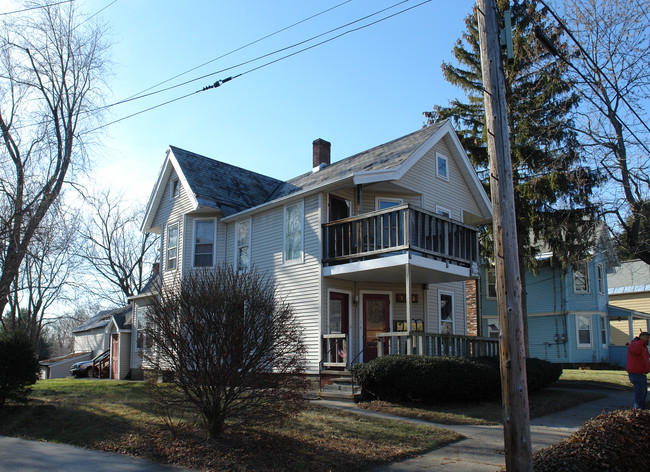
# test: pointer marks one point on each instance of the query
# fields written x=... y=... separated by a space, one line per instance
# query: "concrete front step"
x=340 y=388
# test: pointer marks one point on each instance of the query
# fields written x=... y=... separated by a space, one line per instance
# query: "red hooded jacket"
x=638 y=359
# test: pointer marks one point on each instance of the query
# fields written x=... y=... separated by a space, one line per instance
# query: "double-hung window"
x=442 y=167
x=204 y=243
x=601 y=279
x=293 y=229
x=491 y=284
x=172 y=246
x=581 y=277
x=583 y=330
x=603 y=331
x=243 y=241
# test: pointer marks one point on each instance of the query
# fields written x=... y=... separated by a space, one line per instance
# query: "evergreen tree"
x=552 y=184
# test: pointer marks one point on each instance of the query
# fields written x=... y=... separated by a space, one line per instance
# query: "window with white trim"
x=172 y=246
x=443 y=211
x=603 y=331
x=491 y=282
x=493 y=328
x=175 y=189
x=243 y=242
x=383 y=203
x=583 y=330
x=581 y=277
x=601 y=279
x=204 y=233
x=293 y=232
x=446 y=312
x=442 y=166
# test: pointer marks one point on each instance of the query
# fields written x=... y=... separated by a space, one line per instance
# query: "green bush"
x=18 y=366
x=428 y=379
x=432 y=379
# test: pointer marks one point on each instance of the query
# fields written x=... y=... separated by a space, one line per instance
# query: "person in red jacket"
x=638 y=365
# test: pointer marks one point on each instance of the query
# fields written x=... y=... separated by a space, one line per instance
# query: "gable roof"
x=234 y=190
x=123 y=318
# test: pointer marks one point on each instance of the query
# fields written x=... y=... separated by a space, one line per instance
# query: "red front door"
x=115 y=355
x=375 y=320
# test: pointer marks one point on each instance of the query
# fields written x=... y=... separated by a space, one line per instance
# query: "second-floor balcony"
x=445 y=245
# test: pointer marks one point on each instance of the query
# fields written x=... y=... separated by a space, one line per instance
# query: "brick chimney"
x=321 y=154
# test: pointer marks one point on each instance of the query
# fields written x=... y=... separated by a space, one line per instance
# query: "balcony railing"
x=436 y=344
x=396 y=229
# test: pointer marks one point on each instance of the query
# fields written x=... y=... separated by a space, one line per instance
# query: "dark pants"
x=640 y=382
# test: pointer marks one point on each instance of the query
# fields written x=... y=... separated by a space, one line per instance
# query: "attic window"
x=175 y=189
x=442 y=168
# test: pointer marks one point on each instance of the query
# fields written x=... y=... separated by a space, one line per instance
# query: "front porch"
x=336 y=354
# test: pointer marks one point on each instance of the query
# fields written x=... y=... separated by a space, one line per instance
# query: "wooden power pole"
x=514 y=389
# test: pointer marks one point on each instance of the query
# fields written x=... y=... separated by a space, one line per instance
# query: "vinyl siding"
x=452 y=194
x=171 y=211
x=620 y=331
x=91 y=341
x=632 y=301
x=298 y=282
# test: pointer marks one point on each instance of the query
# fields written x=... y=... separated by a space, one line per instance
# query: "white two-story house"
x=372 y=251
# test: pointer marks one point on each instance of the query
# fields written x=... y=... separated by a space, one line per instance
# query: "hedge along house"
x=371 y=251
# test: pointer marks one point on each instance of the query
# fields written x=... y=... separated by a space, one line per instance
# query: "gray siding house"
x=372 y=251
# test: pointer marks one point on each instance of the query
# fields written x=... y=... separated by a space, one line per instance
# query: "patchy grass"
x=605 y=378
x=118 y=417
x=485 y=413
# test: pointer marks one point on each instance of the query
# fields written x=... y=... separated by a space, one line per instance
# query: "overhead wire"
x=277 y=51
x=222 y=81
x=35 y=8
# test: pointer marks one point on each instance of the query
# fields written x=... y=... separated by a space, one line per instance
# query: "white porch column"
x=409 y=339
x=630 y=326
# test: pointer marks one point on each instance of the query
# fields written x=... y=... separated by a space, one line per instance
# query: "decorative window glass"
x=583 y=328
x=442 y=167
x=293 y=226
x=601 y=279
x=175 y=190
x=580 y=278
x=491 y=284
x=446 y=310
x=603 y=331
x=172 y=246
x=204 y=243
x=243 y=255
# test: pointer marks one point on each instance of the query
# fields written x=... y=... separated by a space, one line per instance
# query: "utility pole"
x=514 y=389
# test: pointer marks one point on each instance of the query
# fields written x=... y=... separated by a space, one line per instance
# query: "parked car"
x=91 y=368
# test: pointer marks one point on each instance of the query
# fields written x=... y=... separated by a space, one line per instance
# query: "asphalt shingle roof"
x=123 y=317
x=219 y=185
x=233 y=189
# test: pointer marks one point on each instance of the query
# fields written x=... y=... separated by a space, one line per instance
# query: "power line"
x=222 y=81
x=241 y=47
x=36 y=8
x=277 y=51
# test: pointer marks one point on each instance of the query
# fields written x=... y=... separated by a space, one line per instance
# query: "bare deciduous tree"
x=235 y=350
x=118 y=255
x=44 y=275
x=612 y=72
x=51 y=66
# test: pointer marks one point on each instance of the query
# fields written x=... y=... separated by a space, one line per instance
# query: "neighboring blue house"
x=568 y=313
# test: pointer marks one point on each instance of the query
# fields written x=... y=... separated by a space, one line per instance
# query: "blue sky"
x=358 y=91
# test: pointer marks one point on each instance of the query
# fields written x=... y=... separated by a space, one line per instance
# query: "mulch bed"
x=618 y=441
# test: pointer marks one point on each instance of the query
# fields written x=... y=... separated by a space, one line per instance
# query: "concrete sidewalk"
x=483 y=448
x=20 y=455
